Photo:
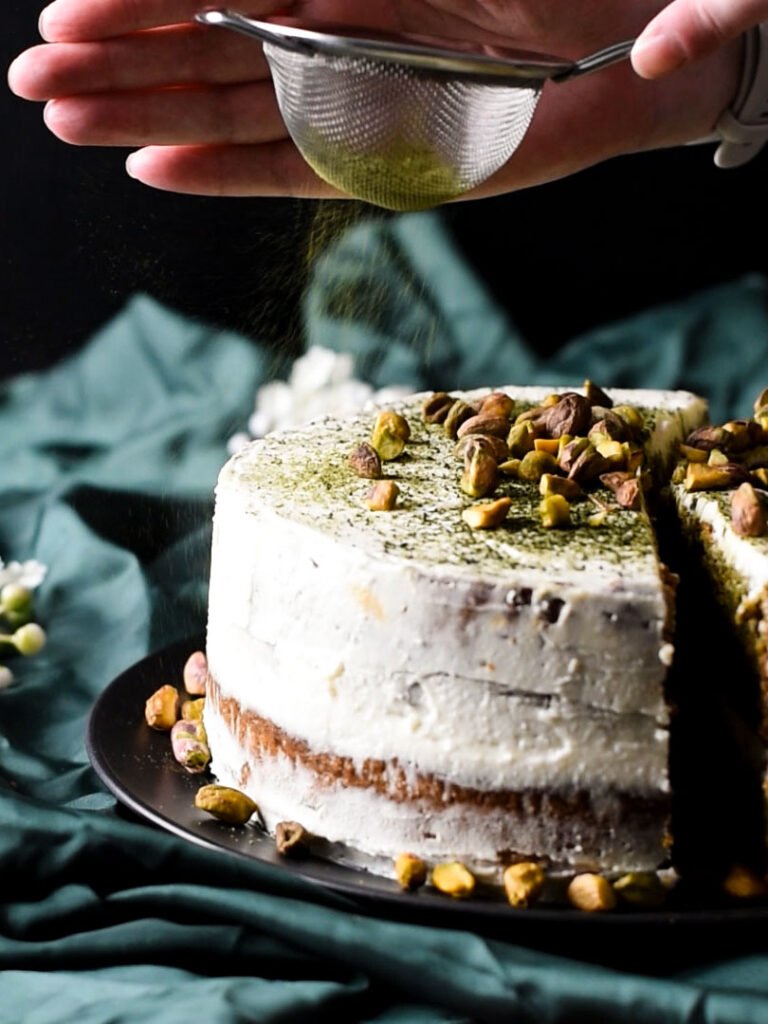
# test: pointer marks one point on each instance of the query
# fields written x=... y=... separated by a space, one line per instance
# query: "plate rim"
x=344 y=880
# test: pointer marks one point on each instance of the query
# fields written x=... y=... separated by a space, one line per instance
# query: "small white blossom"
x=321 y=383
x=28 y=574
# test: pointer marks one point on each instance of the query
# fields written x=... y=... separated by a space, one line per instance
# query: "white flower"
x=28 y=574
x=6 y=677
x=321 y=383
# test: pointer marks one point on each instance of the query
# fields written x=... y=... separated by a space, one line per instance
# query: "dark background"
x=79 y=237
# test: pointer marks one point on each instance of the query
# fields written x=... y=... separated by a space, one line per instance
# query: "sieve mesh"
x=398 y=136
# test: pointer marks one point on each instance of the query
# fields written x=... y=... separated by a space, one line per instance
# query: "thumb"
x=686 y=30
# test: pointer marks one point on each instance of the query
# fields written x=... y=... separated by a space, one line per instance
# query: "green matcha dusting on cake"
x=592 y=501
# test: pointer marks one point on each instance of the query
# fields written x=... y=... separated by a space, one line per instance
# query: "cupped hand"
x=198 y=106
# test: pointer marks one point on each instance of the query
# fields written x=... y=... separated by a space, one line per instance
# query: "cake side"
x=485 y=695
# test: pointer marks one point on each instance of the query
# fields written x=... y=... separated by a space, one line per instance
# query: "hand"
x=686 y=31
x=199 y=103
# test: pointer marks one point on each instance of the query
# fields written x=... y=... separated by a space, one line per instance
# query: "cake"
x=476 y=674
x=718 y=491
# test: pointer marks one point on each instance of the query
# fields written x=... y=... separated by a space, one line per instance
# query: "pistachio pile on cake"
x=444 y=628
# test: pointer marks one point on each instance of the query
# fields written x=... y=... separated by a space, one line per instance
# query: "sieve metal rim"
x=513 y=67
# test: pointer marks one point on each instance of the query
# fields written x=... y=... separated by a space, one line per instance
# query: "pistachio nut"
x=484 y=423
x=523 y=883
x=365 y=461
x=383 y=496
x=192 y=710
x=161 y=710
x=435 y=407
x=641 y=889
x=701 y=477
x=692 y=454
x=761 y=402
x=225 y=804
x=497 y=404
x=749 y=513
x=195 y=673
x=410 y=871
x=497 y=446
x=534 y=464
x=391 y=432
x=551 y=483
x=571 y=414
x=707 y=438
x=596 y=396
x=555 y=512
x=632 y=417
x=189 y=746
x=591 y=892
x=744 y=883
x=481 y=473
x=454 y=879
x=291 y=838
x=520 y=439
x=457 y=414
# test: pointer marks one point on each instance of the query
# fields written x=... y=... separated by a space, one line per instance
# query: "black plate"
x=136 y=765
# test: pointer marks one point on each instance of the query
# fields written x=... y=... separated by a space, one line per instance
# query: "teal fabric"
x=109 y=461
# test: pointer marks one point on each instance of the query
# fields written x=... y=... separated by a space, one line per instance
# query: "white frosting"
x=747 y=557
x=498 y=660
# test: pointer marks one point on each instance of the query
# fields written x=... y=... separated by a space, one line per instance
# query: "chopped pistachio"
x=701 y=477
x=291 y=838
x=523 y=883
x=454 y=879
x=551 y=483
x=192 y=710
x=520 y=439
x=534 y=464
x=410 y=871
x=486 y=515
x=591 y=892
x=382 y=497
x=641 y=889
x=555 y=512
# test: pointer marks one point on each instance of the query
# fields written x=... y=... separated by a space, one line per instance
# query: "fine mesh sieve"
x=400 y=121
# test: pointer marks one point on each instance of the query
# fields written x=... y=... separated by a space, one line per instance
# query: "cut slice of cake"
x=440 y=676
x=720 y=491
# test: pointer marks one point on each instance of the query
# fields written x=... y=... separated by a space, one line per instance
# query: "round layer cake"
x=398 y=681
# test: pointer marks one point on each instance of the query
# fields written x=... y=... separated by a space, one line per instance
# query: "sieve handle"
x=225 y=18
x=596 y=61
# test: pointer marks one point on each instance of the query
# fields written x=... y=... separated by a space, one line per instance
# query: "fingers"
x=169 y=56
x=73 y=20
x=687 y=30
x=241 y=114
x=273 y=169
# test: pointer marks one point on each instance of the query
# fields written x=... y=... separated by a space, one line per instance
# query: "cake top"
x=304 y=475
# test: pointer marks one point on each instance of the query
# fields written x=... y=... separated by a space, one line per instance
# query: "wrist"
x=742 y=128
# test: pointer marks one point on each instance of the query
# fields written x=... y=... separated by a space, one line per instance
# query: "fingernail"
x=655 y=54
x=130 y=163
x=42 y=23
